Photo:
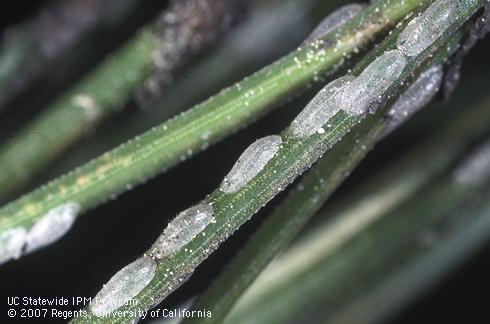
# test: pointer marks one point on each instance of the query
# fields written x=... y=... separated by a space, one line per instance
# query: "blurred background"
x=106 y=238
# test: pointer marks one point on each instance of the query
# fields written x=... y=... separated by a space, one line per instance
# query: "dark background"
x=107 y=238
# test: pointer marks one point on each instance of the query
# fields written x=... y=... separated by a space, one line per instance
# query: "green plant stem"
x=330 y=269
x=102 y=92
x=153 y=152
x=231 y=210
x=395 y=184
x=237 y=55
x=286 y=220
x=76 y=112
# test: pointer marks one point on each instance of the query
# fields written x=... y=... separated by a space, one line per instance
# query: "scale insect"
x=417 y=95
x=123 y=286
x=52 y=226
x=335 y=20
x=11 y=243
x=320 y=109
x=365 y=93
x=48 y=229
x=422 y=31
x=251 y=162
x=182 y=229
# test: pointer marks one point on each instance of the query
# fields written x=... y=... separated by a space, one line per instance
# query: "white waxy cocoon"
x=124 y=286
x=52 y=226
x=335 y=20
x=369 y=87
x=320 y=109
x=11 y=243
x=418 y=95
x=182 y=229
x=251 y=162
x=422 y=31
